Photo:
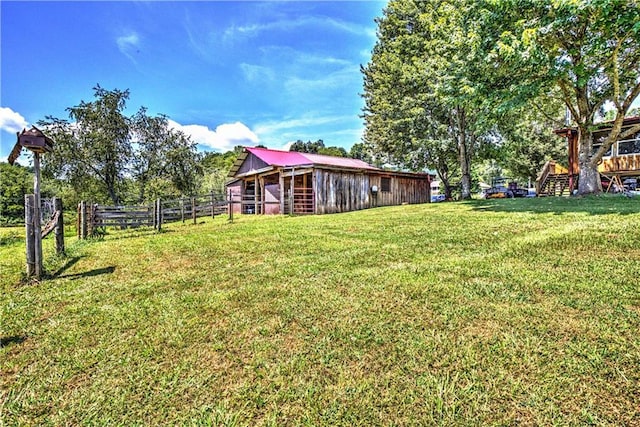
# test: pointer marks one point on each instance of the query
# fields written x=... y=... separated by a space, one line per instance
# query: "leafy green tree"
x=165 y=161
x=15 y=182
x=362 y=151
x=318 y=147
x=421 y=104
x=307 y=147
x=216 y=167
x=588 y=51
x=104 y=155
x=94 y=147
x=333 y=151
x=528 y=138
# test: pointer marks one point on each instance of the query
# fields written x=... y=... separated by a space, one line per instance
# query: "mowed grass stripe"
x=487 y=312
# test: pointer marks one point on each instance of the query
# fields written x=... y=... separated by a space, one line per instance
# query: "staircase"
x=553 y=180
x=555 y=185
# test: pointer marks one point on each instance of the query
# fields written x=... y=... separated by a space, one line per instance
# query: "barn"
x=265 y=181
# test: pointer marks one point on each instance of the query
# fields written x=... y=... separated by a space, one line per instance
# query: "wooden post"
x=158 y=214
x=83 y=219
x=37 y=246
x=59 y=230
x=28 y=222
x=282 y=190
x=193 y=210
x=91 y=219
x=78 y=221
x=230 y=207
x=213 y=205
x=182 y=209
x=291 y=197
x=256 y=187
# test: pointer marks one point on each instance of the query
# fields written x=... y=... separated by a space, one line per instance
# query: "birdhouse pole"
x=37 y=142
x=37 y=235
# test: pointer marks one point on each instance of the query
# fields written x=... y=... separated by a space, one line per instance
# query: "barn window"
x=385 y=184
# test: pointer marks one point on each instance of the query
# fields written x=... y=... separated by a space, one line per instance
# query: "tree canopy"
x=317 y=147
x=422 y=107
x=584 y=53
x=450 y=78
x=15 y=182
x=105 y=155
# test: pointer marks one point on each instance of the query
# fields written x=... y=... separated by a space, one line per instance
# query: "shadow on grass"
x=90 y=273
x=66 y=266
x=16 y=339
x=117 y=234
x=592 y=205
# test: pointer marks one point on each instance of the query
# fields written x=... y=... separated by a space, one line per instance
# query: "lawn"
x=505 y=312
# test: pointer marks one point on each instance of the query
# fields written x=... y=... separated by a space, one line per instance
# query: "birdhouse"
x=34 y=140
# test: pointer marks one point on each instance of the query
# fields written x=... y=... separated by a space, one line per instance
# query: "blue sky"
x=226 y=73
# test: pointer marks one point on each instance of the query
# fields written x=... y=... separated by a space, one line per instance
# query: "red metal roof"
x=293 y=158
x=279 y=158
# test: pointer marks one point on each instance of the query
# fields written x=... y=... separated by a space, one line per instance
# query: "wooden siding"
x=234 y=194
x=624 y=163
x=339 y=191
x=409 y=190
x=251 y=163
x=271 y=198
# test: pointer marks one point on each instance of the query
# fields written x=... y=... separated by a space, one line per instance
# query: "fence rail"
x=93 y=218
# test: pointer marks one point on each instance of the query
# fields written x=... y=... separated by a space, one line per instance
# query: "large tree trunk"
x=465 y=181
x=464 y=156
x=589 y=178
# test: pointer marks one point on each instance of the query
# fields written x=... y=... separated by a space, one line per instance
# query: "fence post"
x=59 y=230
x=83 y=219
x=292 y=192
x=194 y=214
x=78 y=221
x=213 y=205
x=230 y=207
x=29 y=200
x=182 y=209
x=159 y=214
x=91 y=220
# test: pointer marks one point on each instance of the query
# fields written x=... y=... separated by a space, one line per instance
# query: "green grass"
x=508 y=312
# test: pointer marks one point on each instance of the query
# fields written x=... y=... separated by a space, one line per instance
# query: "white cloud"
x=299 y=123
x=223 y=138
x=320 y=23
x=10 y=121
x=128 y=44
x=257 y=73
x=333 y=129
x=331 y=81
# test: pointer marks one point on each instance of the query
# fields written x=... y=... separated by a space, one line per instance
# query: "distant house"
x=619 y=166
x=265 y=181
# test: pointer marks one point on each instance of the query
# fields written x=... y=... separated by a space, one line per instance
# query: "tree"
x=164 y=160
x=307 y=147
x=361 y=151
x=317 y=147
x=101 y=153
x=589 y=51
x=95 y=147
x=421 y=105
x=216 y=167
x=15 y=182
x=528 y=140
